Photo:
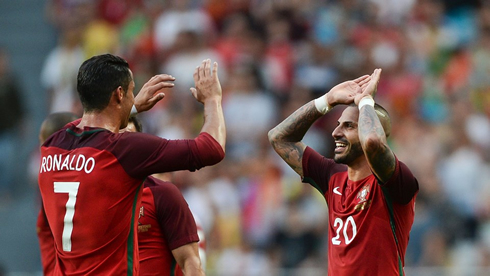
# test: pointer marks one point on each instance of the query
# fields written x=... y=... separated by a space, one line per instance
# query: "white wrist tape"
x=321 y=104
x=366 y=101
x=133 y=110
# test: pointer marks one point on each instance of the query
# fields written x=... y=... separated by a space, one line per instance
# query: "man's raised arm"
x=208 y=92
x=374 y=127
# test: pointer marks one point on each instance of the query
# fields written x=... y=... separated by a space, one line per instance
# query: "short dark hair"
x=136 y=122
x=98 y=77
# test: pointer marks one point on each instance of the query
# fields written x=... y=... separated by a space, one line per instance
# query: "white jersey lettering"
x=53 y=163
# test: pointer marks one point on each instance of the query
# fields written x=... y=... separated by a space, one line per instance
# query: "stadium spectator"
x=12 y=113
x=59 y=72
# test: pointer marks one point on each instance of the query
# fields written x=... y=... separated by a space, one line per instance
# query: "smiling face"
x=346 y=136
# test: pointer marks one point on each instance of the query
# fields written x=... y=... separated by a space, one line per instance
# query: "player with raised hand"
x=370 y=193
x=91 y=175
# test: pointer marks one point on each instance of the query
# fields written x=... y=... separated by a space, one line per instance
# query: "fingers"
x=156 y=98
x=158 y=82
x=196 y=74
x=364 y=85
x=202 y=68
x=365 y=81
x=377 y=74
x=194 y=92
x=362 y=78
x=161 y=78
x=207 y=67
x=215 y=69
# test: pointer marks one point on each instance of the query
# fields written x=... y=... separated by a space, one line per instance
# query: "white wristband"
x=134 y=110
x=366 y=101
x=321 y=104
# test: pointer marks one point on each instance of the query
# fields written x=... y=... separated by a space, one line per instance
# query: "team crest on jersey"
x=141 y=227
x=362 y=199
x=142 y=212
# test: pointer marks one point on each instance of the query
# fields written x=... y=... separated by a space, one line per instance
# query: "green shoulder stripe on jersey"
x=131 y=232
x=313 y=183
x=83 y=133
x=173 y=266
x=392 y=223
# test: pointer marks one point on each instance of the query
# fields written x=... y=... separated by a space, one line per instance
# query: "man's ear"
x=118 y=94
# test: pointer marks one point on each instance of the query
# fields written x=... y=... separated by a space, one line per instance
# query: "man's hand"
x=150 y=93
x=344 y=93
x=207 y=82
x=369 y=88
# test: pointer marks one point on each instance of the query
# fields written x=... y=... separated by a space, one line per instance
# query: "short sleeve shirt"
x=165 y=223
x=361 y=240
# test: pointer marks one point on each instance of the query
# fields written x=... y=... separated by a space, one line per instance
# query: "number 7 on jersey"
x=72 y=189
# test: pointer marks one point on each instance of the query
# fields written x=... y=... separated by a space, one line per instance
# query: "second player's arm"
x=286 y=137
x=187 y=256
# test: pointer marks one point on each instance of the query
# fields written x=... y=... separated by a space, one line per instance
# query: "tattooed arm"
x=286 y=137
x=373 y=141
x=372 y=135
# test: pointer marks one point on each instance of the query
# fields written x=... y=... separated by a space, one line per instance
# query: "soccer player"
x=370 y=193
x=50 y=125
x=91 y=175
x=167 y=234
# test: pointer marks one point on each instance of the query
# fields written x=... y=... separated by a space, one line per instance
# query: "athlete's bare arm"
x=208 y=92
x=372 y=135
x=286 y=137
x=187 y=256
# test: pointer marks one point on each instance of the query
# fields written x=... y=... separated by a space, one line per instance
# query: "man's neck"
x=359 y=170
x=103 y=119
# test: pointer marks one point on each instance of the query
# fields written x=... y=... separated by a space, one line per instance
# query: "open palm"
x=345 y=92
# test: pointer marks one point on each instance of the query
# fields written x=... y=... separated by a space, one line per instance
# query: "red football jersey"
x=91 y=182
x=46 y=243
x=361 y=240
x=165 y=223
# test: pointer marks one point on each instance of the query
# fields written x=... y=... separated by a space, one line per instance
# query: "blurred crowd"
x=275 y=56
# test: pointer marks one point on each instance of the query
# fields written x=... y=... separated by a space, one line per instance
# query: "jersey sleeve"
x=318 y=169
x=142 y=154
x=402 y=185
x=174 y=216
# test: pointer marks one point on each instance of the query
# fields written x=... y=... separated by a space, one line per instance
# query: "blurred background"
x=274 y=56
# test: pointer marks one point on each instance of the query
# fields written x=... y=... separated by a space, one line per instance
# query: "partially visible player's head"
x=53 y=123
x=98 y=77
x=348 y=148
x=134 y=125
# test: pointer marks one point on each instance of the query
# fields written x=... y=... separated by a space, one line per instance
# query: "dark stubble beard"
x=354 y=152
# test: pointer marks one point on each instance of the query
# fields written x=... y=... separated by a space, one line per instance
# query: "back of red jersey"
x=90 y=180
x=87 y=197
